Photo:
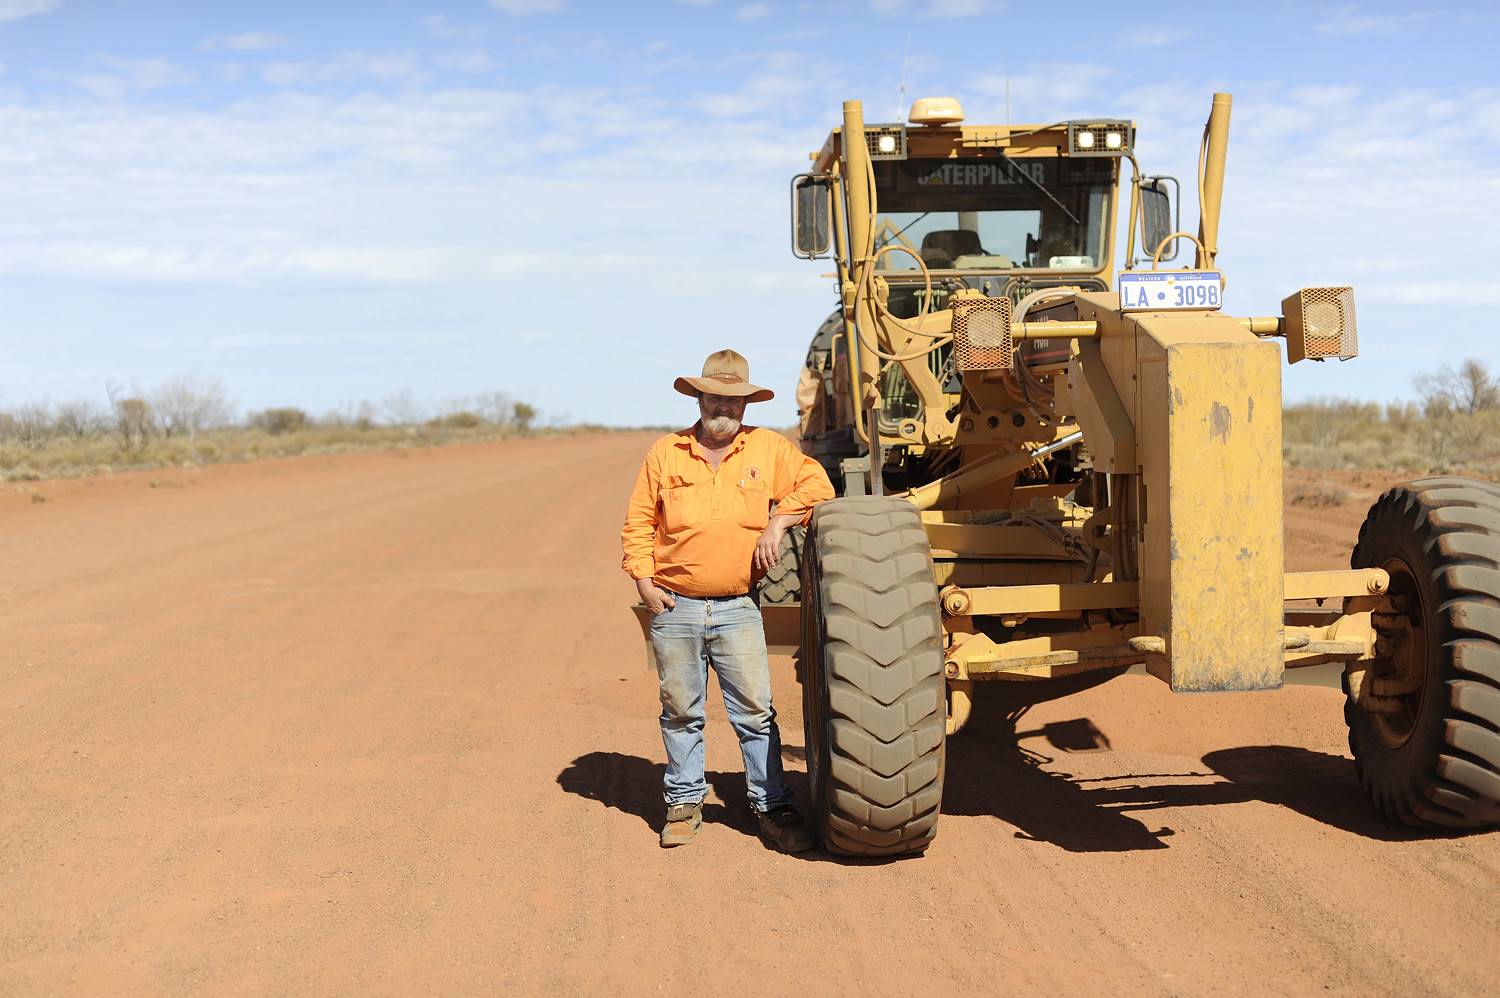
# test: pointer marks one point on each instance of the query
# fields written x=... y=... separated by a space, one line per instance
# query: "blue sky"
x=575 y=201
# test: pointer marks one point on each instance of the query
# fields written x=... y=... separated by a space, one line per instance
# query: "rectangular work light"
x=1100 y=138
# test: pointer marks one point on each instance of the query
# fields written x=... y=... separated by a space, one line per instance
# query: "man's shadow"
x=633 y=785
x=994 y=767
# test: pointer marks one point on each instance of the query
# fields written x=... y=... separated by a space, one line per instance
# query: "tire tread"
x=882 y=676
x=1448 y=773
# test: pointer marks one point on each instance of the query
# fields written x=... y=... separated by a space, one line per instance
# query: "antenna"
x=1008 y=118
x=901 y=94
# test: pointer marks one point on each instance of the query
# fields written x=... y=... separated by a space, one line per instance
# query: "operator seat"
x=942 y=246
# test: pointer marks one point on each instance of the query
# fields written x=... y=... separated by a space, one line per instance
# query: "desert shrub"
x=461 y=420
x=284 y=419
x=133 y=421
x=1332 y=433
x=79 y=419
x=183 y=424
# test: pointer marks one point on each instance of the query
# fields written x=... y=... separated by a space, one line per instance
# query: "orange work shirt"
x=693 y=529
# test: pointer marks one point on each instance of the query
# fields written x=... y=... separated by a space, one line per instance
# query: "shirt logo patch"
x=752 y=473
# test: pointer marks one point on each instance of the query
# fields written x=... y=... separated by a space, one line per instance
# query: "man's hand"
x=657 y=600
x=768 y=548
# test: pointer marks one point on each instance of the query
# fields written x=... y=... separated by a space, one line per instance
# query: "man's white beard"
x=721 y=427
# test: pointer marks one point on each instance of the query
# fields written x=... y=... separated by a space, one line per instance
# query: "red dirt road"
x=379 y=724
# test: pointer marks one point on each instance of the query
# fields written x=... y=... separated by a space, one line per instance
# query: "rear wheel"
x=1429 y=753
x=783 y=583
x=874 y=698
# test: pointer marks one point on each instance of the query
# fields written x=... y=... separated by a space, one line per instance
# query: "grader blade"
x=1211 y=531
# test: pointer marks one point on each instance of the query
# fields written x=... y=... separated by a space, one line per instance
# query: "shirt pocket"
x=678 y=505
x=755 y=503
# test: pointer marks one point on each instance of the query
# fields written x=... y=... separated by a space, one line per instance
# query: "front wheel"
x=874 y=697
x=1429 y=751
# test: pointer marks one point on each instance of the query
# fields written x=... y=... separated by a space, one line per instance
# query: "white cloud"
x=941 y=8
x=147 y=74
x=14 y=10
x=696 y=3
x=247 y=41
x=467 y=61
x=382 y=66
x=439 y=27
x=521 y=8
x=1155 y=37
x=1350 y=21
x=126 y=76
x=414 y=220
x=1047 y=93
x=782 y=80
x=959 y=8
x=753 y=12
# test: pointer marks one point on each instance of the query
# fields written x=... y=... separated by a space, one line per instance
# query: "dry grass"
x=60 y=457
x=1329 y=433
x=1340 y=434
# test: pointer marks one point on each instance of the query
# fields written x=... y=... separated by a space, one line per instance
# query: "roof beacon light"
x=936 y=111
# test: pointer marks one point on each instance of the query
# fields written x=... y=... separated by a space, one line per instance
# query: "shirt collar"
x=688 y=439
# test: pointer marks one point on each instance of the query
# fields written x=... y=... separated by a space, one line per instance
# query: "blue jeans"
x=725 y=632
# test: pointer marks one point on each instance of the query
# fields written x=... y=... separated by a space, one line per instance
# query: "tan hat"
x=725 y=373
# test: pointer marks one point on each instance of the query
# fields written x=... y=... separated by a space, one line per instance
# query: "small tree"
x=403 y=409
x=79 y=419
x=523 y=414
x=189 y=404
x=32 y=424
x=496 y=407
x=1469 y=389
x=133 y=422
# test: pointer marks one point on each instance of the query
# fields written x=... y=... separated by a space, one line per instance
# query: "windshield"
x=993 y=213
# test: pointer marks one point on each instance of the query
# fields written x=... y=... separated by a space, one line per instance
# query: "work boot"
x=683 y=822
x=782 y=828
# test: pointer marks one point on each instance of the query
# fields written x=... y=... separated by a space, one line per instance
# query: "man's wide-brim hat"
x=725 y=373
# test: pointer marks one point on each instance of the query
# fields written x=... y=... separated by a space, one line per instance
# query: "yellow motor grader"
x=1049 y=467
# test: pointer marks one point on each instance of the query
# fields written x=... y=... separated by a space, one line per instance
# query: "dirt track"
x=380 y=724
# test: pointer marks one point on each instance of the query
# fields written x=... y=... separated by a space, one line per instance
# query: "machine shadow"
x=994 y=768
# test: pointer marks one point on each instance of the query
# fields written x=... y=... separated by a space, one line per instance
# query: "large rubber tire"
x=874 y=696
x=783 y=583
x=1436 y=761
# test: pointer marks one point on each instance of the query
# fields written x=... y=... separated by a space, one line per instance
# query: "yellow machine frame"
x=1181 y=409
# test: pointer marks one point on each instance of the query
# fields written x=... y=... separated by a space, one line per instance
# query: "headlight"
x=886 y=141
x=1319 y=323
x=1100 y=138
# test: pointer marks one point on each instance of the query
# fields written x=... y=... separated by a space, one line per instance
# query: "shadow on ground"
x=995 y=767
x=631 y=784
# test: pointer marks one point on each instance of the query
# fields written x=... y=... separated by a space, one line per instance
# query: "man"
x=698 y=532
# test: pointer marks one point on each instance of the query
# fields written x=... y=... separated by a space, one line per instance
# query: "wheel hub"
x=1399 y=672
